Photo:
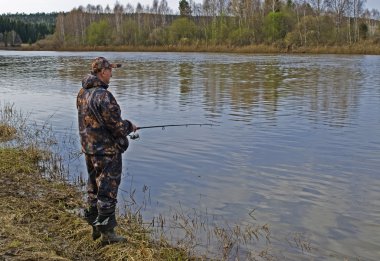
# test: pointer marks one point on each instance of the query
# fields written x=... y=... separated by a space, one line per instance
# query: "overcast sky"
x=34 y=6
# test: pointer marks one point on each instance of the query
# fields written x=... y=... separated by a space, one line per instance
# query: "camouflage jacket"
x=101 y=128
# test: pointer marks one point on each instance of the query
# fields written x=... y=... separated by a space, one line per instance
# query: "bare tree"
x=139 y=8
x=163 y=11
x=154 y=9
x=319 y=7
x=107 y=10
x=374 y=19
x=60 y=28
x=92 y=10
x=339 y=8
x=197 y=9
x=209 y=8
x=358 y=9
x=118 y=11
x=129 y=9
x=272 y=6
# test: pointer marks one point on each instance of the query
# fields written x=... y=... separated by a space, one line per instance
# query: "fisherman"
x=103 y=135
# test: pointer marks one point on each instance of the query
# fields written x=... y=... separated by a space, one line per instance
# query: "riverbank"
x=362 y=48
x=41 y=212
x=40 y=219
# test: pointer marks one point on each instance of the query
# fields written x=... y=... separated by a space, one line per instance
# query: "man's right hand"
x=134 y=128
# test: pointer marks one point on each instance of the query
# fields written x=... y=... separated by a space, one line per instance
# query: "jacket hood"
x=91 y=81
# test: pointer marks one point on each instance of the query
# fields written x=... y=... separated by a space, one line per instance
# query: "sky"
x=47 y=6
x=34 y=6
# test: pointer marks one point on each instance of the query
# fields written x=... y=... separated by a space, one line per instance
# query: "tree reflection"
x=319 y=92
x=186 y=75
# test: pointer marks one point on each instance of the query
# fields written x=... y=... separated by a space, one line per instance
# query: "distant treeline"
x=228 y=23
x=286 y=23
x=25 y=28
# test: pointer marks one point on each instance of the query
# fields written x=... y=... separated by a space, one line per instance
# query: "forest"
x=25 y=28
x=284 y=24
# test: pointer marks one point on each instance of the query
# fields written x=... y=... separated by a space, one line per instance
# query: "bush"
x=241 y=37
x=99 y=33
x=181 y=28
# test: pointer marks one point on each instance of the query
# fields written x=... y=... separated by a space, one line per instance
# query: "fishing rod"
x=135 y=136
x=176 y=125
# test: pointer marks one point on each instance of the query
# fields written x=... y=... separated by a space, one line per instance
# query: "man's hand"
x=131 y=126
x=134 y=128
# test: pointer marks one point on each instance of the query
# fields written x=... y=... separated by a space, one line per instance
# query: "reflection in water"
x=298 y=137
x=186 y=75
x=325 y=94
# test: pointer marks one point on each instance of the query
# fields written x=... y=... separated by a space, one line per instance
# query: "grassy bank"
x=362 y=48
x=40 y=212
x=40 y=221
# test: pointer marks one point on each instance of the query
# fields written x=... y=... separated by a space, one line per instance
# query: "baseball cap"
x=100 y=63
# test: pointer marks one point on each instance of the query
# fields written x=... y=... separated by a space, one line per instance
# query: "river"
x=297 y=141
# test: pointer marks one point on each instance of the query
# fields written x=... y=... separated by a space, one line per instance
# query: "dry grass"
x=7 y=132
x=40 y=219
x=365 y=47
x=362 y=48
x=42 y=214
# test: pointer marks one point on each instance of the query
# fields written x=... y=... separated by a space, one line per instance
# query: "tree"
x=340 y=8
x=182 y=29
x=184 y=8
x=357 y=11
x=272 y=6
x=99 y=33
x=216 y=22
x=318 y=7
x=130 y=32
x=276 y=26
x=118 y=11
x=107 y=10
x=155 y=7
x=33 y=26
x=363 y=31
x=163 y=11
x=139 y=8
x=129 y=9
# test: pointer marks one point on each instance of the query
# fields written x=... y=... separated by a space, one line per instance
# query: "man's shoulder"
x=102 y=92
x=103 y=96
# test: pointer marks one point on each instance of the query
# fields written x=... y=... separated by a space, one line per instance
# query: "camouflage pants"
x=104 y=176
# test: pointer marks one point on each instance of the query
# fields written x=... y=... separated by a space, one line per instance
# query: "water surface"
x=298 y=137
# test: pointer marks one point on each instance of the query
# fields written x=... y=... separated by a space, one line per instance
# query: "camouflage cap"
x=100 y=63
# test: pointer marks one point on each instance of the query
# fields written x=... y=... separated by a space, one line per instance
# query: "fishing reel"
x=134 y=136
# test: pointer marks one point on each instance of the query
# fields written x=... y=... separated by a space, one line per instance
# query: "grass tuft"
x=7 y=133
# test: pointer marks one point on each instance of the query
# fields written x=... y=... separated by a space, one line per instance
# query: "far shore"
x=362 y=49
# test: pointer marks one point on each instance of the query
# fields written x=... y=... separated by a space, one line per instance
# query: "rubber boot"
x=110 y=237
x=95 y=233
x=90 y=215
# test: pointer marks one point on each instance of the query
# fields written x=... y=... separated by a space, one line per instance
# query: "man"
x=103 y=135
